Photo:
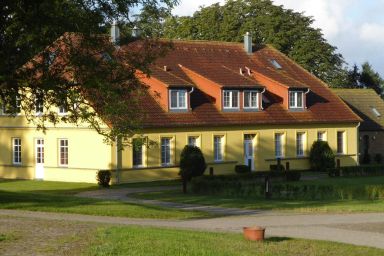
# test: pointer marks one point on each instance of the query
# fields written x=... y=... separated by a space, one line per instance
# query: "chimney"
x=248 y=43
x=115 y=33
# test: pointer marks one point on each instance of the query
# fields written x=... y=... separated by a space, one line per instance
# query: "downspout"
x=261 y=98
x=358 y=144
x=189 y=98
x=305 y=98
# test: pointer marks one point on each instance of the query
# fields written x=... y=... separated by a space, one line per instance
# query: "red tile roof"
x=221 y=62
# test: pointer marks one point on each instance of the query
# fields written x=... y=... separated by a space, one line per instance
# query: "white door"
x=39 y=159
x=248 y=152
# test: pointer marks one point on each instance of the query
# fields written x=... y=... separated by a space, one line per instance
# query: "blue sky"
x=355 y=27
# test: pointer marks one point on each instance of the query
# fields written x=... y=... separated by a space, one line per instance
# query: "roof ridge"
x=205 y=42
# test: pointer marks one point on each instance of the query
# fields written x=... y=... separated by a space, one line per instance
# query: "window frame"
x=218 y=153
x=231 y=107
x=16 y=149
x=295 y=99
x=63 y=151
x=178 y=107
x=62 y=113
x=281 y=145
x=250 y=99
x=39 y=106
x=169 y=147
x=197 y=140
x=324 y=135
x=17 y=106
x=343 y=143
x=134 y=165
x=300 y=144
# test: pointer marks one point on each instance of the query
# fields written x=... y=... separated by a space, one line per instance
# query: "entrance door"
x=248 y=151
x=39 y=159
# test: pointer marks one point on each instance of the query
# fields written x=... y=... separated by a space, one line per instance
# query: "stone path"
x=360 y=229
x=123 y=195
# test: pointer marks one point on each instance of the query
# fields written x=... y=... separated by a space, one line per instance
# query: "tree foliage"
x=365 y=77
x=321 y=156
x=288 y=31
x=192 y=164
x=81 y=70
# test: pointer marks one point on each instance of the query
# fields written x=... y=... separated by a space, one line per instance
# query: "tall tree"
x=288 y=31
x=370 y=78
x=81 y=70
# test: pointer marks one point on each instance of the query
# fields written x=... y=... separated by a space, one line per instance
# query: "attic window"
x=178 y=99
x=376 y=112
x=296 y=100
x=275 y=64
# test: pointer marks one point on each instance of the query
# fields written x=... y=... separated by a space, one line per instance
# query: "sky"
x=355 y=27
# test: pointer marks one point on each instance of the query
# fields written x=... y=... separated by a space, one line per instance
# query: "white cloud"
x=372 y=33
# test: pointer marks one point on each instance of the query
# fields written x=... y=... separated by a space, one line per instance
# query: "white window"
x=251 y=99
x=321 y=136
x=62 y=110
x=296 y=99
x=16 y=150
x=218 y=148
x=300 y=137
x=165 y=151
x=340 y=142
x=230 y=99
x=178 y=99
x=193 y=141
x=15 y=105
x=39 y=106
x=63 y=152
x=137 y=153
x=279 y=145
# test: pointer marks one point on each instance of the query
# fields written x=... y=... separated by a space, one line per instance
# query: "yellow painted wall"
x=87 y=153
x=264 y=151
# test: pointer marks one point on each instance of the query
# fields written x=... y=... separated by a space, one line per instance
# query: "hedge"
x=359 y=171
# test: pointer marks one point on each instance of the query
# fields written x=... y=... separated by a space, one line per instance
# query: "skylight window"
x=275 y=64
x=376 y=112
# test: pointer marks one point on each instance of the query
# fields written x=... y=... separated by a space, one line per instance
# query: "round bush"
x=321 y=156
x=192 y=162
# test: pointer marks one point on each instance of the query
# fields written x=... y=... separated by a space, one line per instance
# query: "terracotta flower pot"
x=254 y=233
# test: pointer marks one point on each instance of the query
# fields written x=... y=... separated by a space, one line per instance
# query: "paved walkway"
x=360 y=229
x=123 y=195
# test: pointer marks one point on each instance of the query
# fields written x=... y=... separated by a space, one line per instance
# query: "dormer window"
x=178 y=99
x=251 y=100
x=296 y=100
x=231 y=99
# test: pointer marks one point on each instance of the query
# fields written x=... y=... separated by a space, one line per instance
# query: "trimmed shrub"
x=241 y=169
x=378 y=158
x=192 y=164
x=292 y=175
x=276 y=168
x=366 y=159
x=357 y=171
x=321 y=157
x=103 y=178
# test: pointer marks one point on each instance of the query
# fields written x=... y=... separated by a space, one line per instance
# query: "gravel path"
x=123 y=195
x=365 y=229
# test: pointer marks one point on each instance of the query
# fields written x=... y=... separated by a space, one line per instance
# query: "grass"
x=286 y=205
x=59 y=197
x=154 y=241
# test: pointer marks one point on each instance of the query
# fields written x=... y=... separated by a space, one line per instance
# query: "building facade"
x=239 y=105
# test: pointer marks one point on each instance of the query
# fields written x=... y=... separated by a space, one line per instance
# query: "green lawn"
x=154 y=241
x=59 y=197
x=287 y=205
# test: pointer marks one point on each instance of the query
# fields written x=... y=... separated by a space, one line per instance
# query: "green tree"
x=288 y=31
x=81 y=70
x=371 y=79
x=192 y=164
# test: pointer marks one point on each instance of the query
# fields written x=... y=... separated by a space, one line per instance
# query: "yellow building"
x=239 y=105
